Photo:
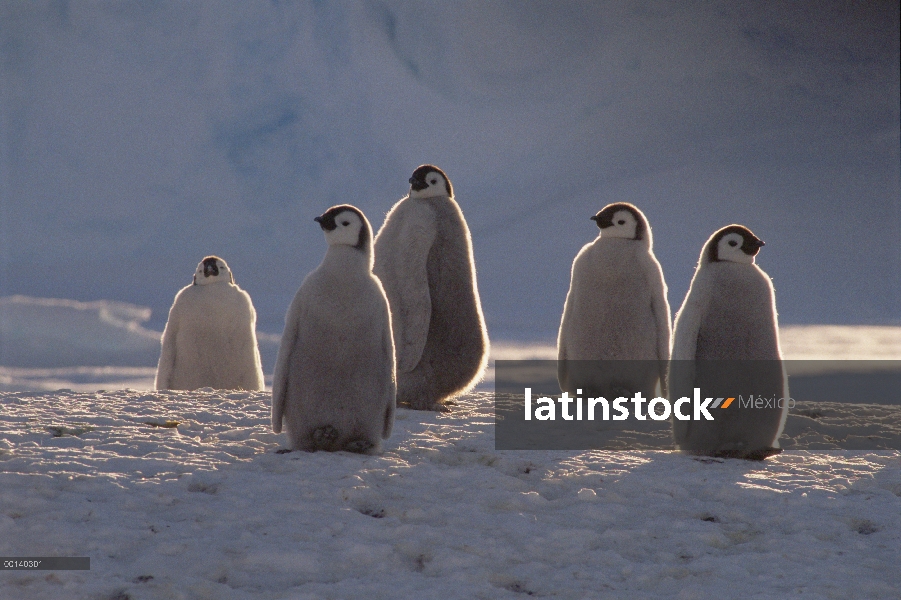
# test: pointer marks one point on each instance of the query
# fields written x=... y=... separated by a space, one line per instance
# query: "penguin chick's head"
x=346 y=225
x=622 y=220
x=212 y=269
x=734 y=243
x=428 y=181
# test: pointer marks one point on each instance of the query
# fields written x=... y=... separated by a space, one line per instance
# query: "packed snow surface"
x=207 y=508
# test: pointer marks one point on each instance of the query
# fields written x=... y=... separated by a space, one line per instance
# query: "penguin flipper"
x=388 y=424
x=681 y=375
x=403 y=270
x=391 y=376
x=359 y=446
x=325 y=438
x=562 y=366
x=661 y=311
x=166 y=366
x=285 y=349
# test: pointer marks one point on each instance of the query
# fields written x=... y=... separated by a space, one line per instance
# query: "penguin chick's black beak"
x=418 y=183
x=603 y=221
x=327 y=224
x=752 y=247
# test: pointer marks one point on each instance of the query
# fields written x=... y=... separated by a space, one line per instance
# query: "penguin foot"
x=762 y=453
x=708 y=461
x=359 y=446
x=283 y=451
x=420 y=403
x=435 y=407
x=758 y=454
x=324 y=438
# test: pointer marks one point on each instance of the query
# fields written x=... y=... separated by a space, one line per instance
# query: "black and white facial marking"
x=622 y=220
x=346 y=224
x=428 y=181
x=734 y=243
x=212 y=269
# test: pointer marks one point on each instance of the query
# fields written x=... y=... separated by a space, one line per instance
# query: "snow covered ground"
x=208 y=509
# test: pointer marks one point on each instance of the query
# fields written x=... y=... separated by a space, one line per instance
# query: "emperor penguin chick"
x=334 y=386
x=423 y=257
x=210 y=338
x=726 y=344
x=616 y=310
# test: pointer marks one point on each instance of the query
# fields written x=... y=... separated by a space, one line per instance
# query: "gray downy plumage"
x=210 y=336
x=615 y=310
x=423 y=256
x=726 y=343
x=334 y=381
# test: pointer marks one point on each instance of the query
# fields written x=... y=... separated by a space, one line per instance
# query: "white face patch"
x=346 y=231
x=436 y=186
x=624 y=226
x=729 y=249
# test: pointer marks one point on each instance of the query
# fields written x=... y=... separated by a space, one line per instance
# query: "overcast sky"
x=138 y=137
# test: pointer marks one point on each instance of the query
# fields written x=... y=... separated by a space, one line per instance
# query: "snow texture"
x=207 y=508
